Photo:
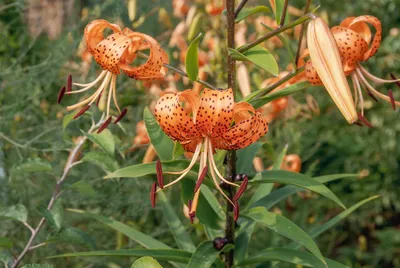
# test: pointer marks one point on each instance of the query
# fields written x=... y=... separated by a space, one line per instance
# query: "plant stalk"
x=231 y=156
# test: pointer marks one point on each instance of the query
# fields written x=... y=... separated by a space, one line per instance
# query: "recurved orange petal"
x=94 y=32
x=215 y=112
x=361 y=28
x=376 y=42
x=174 y=121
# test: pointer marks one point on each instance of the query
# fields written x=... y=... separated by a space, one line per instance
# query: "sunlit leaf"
x=247 y=11
x=16 y=212
x=105 y=140
x=146 y=262
x=192 y=60
x=205 y=255
x=162 y=143
x=285 y=227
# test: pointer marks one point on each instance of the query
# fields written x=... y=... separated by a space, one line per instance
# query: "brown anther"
x=219 y=243
x=236 y=209
x=372 y=96
x=394 y=78
x=123 y=113
x=160 y=177
x=358 y=124
x=69 y=83
x=61 y=94
x=392 y=101
x=201 y=179
x=104 y=125
x=82 y=111
x=153 y=194
x=241 y=190
x=365 y=121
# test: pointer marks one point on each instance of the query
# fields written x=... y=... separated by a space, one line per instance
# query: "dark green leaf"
x=182 y=238
x=141 y=238
x=288 y=255
x=102 y=160
x=278 y=10
x=71 y=235
x=105 y=140
x=244 y=155
x=261 y=101
x=205 y=255
x=178 y=150
x=84 y=188
x=159 y=254
x=192 y=60
x=247 y=11
x=48 y=215
x=297 y=179
x=30 y=166
x=285 y=227
x=163 y=145
x=5 y=242
x=16 y=212
x=146 y=262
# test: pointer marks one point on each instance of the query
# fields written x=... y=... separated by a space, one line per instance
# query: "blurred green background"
x=34 y=66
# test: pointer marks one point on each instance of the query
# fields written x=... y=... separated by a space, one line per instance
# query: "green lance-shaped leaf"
x=71 y=235
x=243 y=155
x=297 y=179
x=285 y=227
x=5 y=242
x=260 y=56
x=163 y=145
x=16 y=212
x=139 y=237
x=30 y=166
x=276 y=196
x=54 y=216
x=105 y=140
x=290 y=256
x=146 y=262
x=192 y=59
x=248 y=11
x=182 y=238
x=279 y=4
x=205 y=255
x=102 y=160
x=174 y=255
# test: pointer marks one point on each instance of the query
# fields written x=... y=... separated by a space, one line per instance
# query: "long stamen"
x=201 y=179
x=236 y=210
x=69 y=83
x=153 y=194
x=89 y=85
x=365 y=121
x=93 y=97
x=109 y=96
x=194 y=159
x=357 y=85
x=241 y=190
x=373 y=77
x=353 y=77
x=82 y=111
x=214 y=166
x=94 y=82
x=203 y=166
x=114 y=90
x=373 y=90
x=215 y=180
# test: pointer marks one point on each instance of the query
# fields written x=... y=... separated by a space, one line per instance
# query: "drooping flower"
x=355 y=43
x=115 y=53
x=209 y=128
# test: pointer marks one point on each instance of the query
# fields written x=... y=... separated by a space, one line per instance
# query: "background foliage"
x=32 y=69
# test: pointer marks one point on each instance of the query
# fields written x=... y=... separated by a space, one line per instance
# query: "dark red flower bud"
x=219 y=243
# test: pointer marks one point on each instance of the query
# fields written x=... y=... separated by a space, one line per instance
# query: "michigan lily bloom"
x=208 y=128
x=355 y=43
x=115 y=53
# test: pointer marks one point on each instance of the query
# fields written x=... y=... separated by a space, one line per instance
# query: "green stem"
x=275 y=32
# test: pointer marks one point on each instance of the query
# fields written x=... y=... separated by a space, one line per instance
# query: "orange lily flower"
x=354 y=40
x=208 y=129
x=113 y=54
